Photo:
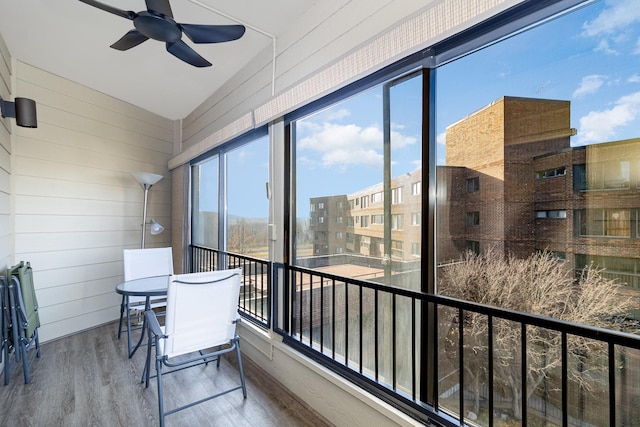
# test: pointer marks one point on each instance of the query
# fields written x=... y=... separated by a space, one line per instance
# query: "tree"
x=540 y=284
x=242 y=237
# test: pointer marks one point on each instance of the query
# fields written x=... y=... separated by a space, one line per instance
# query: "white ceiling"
x=71 y=39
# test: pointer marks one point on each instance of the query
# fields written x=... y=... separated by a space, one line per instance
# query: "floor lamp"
x=147 y=179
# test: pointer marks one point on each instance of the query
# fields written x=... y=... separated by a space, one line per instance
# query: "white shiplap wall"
x=76 y=206
x=5 y=162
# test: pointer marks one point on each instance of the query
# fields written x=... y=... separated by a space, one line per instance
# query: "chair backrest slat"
x=202 y=309
x=139 y=263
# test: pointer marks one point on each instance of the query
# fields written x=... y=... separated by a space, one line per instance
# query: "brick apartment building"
x=355 y=223
x=511 y=181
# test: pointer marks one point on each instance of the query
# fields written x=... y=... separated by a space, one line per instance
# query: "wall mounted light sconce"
x=147 y=179
x=23 y=109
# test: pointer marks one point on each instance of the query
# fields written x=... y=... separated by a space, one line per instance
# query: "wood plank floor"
x=87 y=380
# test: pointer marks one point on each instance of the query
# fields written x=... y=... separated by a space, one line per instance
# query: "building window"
x=473 y=246
x=416 y=188
x=551 y=173
x=364 y=202
x=473 y=184
x=605 y=175
x=339 y=235
x=604 y=222
x=473 y=218
x=377 y=197
x=339 y=220
x=551 y=214
x=396 y=222
x=364 y=220
x=312 y=208
x=416 y=249
x=416 y=218
x=321 y=205
x=320 y=220
x=396 y=249
x=396 y=196
x=377 y=219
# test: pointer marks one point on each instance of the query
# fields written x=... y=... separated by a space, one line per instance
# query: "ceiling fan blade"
x=212 y=33
x=131 y=39
x=160 y=6
x=182 y=51
x=123 y=13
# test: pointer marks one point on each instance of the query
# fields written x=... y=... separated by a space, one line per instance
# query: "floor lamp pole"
x=144 y=212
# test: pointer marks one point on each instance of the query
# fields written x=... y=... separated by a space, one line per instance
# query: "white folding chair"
x=201 y=317
x=140 y=263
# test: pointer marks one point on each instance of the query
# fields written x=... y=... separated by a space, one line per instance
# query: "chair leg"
x=146 y=374
x=25 y=363
x=128 y=315
x=241 y=369
x=7 y=364
x=121 y=316
x=160 y=395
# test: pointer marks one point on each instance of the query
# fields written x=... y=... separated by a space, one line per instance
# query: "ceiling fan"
x=157 y=23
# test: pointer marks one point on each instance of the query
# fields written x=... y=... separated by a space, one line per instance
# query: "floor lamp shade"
x=155 y=228
x=147 y=179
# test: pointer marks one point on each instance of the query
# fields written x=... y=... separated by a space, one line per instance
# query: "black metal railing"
x=255 y=291
x=484 y=366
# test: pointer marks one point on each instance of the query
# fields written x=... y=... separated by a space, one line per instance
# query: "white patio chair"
x=140 y=263
x=201 y=317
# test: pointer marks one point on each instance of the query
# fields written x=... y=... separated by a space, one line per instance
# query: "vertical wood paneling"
x=76 y=204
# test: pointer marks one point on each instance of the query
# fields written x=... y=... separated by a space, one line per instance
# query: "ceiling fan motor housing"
x=157 y=27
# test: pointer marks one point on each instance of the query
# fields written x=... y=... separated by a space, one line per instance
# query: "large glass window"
x=360 y=157
x=360 y=164
x=542 y=118
x=247 y=204
x=205 y=207
x=234 y=177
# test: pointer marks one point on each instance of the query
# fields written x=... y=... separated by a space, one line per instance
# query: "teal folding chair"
x=25 y=320
x=200 y=326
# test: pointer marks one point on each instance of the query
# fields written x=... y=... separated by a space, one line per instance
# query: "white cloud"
x=441 y=138
x=342 y=145
x=617 y=15
x=604 y=47
x=634 y=78
x=589 y=85
x=601 y=126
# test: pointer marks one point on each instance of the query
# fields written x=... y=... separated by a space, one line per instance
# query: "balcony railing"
x=426 y=354
x=255 y=291
x=452 y=362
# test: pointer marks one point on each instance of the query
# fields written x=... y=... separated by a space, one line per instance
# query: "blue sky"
x=590 y=57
